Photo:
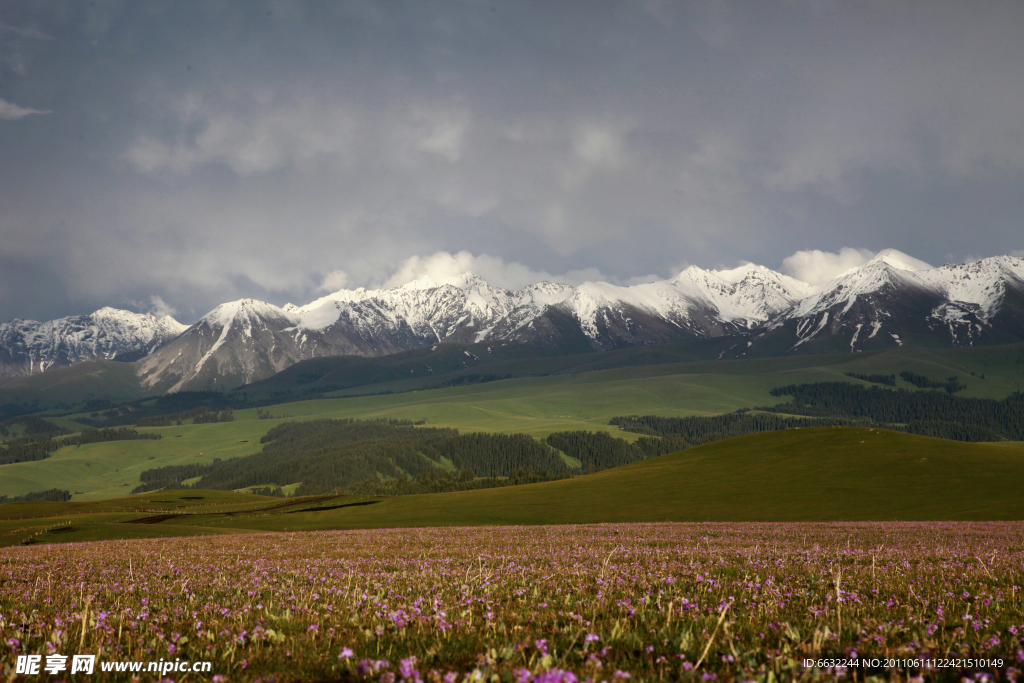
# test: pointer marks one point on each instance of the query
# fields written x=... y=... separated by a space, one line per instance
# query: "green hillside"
x=800 y=474
x=579 y=396
x=94 y=379
x=821 y=474
x=462 y=364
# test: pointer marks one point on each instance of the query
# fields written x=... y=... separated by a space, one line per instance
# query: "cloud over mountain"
x=817 y=267
x=204 y=153
x=11 y=111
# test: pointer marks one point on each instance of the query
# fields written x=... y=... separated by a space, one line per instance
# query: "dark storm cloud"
x=199 y=152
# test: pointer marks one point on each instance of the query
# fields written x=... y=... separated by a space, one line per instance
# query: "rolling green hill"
x=800 y=474
x=94 y=379
x=464 y=364
x=579 y=393
x=820 y=474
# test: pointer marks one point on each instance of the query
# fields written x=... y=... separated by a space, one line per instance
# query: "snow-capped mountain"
x=234 y=344
x=895 y=299
x=247 y=340
x=892 y=300
x=28 y=347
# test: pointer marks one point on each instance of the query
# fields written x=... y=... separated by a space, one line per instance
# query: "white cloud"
x=442 y=135
x=598 y=145
x=818 y=267
x=333 y=281
x=257 y=135
x=443 y=265
x=155 y=305
x=642 y=279
x=10 y=111
x=30 y=33
x=1019 y=253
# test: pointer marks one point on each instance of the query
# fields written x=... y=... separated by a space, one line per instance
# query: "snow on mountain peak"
x=117 y=316
x=425 y=282
x=243 y=309
x=251 y=336
x=467 y=280
x=899 y=260
x=109 y=333
x=737 y=274
x=173 y=325
x=871 y=277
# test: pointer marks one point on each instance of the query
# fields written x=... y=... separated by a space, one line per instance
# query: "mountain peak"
x=734 y=275
x=899 y=260
x=228 y=312
x=123 y=317
x=467 y=280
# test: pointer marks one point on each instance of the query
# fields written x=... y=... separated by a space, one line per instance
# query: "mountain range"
x=892 y=300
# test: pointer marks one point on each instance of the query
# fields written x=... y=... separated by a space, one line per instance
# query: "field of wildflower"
x=543 y=603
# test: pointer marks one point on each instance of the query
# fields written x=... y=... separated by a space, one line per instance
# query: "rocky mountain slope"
x=895 y=299
x=28 y=347
x=247 y=340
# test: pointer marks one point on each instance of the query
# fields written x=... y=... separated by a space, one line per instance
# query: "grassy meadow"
x=819 y=474
x=739 y=560
x=539 y=604
x=579 y=396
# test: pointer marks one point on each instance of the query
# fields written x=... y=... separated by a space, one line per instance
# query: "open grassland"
x=582 y=396
x=821 y=474
x=111 y=469
x=1003 y=367
x=26 y=523
x=735 y=602
x=794 y=475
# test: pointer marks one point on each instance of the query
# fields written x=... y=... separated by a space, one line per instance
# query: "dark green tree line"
x=934 y=413
x=39 y=447
x=334 y=455
x=888 y=380
x=51 y=496
x=600 y=450
x=694 y=431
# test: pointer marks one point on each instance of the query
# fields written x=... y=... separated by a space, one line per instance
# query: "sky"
x=170 y=156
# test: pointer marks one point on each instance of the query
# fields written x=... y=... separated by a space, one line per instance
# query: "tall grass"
x=556 y=603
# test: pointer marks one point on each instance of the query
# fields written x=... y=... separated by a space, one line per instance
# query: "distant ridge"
x=28 y=347
x=892 y=300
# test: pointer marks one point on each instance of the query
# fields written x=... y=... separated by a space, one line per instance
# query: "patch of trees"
x=694 y=431
x=162 y=407
x=171 y=476
x=888 y=380
x=102 y=435
x=951 y=384
x=31 y=425
x=39 y=447
x=334 y=455
x=600 y=450
x=53 y=496
x=930 y=413
x=19 y=407
x=439 y=481
x=268 y=491
x=471 y=378
x=226 y=415
x=172 y=418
